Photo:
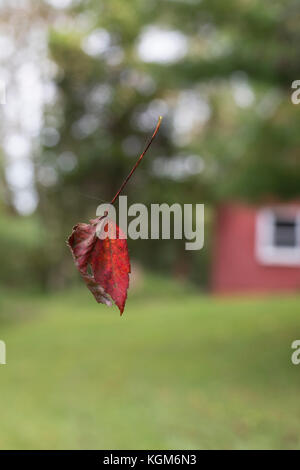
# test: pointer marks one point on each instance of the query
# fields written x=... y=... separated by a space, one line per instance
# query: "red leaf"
x=108 y=259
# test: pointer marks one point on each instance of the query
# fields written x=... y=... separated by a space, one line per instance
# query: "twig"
x=138 y=162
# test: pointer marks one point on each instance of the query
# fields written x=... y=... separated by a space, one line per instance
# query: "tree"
x=230 y=129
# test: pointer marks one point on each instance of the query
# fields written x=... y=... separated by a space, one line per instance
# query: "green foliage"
x=107 y=104
x=21 y=252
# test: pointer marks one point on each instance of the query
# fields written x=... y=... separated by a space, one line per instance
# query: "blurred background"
x=82 y=85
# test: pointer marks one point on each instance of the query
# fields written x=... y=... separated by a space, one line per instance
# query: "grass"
x=178 y=370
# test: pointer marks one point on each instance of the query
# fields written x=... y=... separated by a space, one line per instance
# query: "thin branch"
x=138 y=162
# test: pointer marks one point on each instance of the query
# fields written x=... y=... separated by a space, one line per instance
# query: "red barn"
x=257 y=249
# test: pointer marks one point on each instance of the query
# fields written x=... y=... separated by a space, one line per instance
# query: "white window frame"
x=266 y=252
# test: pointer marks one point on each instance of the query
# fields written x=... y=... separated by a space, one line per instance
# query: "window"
x=278 y=237
x=285 y=232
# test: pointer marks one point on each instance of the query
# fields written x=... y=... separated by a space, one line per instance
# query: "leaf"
x=107 y=257
x=108 y=260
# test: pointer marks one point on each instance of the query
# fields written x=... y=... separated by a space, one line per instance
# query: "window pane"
x=285 y=232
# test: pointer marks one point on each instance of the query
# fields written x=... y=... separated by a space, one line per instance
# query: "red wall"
x=235 y=268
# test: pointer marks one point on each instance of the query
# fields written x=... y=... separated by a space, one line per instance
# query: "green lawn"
x=178 y=370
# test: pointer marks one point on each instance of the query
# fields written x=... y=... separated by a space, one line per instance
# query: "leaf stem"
x=138 y=161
